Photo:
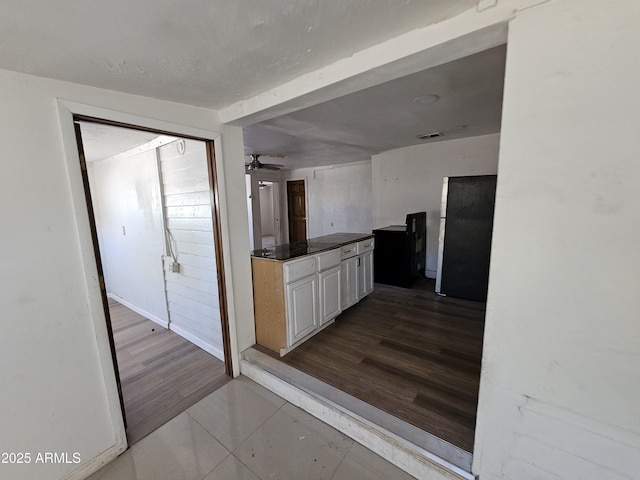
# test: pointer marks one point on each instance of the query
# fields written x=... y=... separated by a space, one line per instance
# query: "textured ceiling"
x=213 y=53
x=209 y=53
x=356 y=126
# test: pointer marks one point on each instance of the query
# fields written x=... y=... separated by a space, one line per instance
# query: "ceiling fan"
x=256 y=164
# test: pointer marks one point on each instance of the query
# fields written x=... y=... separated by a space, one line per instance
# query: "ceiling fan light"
x=256 y=164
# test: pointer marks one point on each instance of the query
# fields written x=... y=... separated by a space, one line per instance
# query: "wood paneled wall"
x=192 y=294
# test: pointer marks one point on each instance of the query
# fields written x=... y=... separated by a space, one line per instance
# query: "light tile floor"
x=244 y=432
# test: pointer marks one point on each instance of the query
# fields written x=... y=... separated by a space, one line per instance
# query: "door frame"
x=95 y=292
x=277 y=216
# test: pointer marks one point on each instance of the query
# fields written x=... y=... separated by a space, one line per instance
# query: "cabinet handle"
x=358 y=261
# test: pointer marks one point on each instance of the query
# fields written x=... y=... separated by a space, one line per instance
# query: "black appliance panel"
x=467 y=238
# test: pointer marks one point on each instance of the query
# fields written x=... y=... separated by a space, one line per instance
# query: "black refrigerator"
x=466 y=226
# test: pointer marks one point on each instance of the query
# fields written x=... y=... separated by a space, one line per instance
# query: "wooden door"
x=297 y=211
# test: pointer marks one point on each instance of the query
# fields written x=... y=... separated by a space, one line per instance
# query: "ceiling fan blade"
x=272 y=166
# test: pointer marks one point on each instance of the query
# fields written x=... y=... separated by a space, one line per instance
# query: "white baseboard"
x=207 y=347
x=96 y=463
x=131 y=306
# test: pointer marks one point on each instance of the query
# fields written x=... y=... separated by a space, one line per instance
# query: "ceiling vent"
x=429 y=136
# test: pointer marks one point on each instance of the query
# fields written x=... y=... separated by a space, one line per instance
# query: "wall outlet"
x=175 y=267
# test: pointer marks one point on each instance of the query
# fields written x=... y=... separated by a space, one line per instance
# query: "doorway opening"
x=269 y=213
x=264 y=207
x=411 y=353
x=151 y=199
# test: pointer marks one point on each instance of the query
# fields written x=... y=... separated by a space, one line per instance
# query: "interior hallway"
x=244 y=432
x=162 y=374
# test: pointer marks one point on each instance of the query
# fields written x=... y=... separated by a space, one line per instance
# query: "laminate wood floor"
x=409 y=352
x=162 y=374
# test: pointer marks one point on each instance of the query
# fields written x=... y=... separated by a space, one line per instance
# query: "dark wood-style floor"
x=409 y=352
x=162 y=374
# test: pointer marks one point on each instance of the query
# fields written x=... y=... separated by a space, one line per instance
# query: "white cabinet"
x=312 y=294
x=297 y=298
x=365 y=274
x=365 y=267
x=357 y=272
x=329 y=289
x=298 y=269
x=349 y=282
x=302 y=308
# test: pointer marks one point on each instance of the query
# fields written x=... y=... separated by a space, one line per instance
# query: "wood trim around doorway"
x=96 y=252
x=217 y=240
x=217 y=232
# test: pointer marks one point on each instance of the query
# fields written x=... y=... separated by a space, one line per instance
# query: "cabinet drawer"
x=299 y=269
x=365 y=245
x=328 y=259
x=347 y=251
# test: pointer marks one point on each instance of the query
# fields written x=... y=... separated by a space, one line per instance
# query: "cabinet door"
x=302 y=308
x=349 y=282
x=365 y=274
x=329 y=283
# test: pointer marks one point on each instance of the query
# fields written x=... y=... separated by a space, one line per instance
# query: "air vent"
x=428 y=136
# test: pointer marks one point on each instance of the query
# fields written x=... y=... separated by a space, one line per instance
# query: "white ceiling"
x=213 y=53
x=209 y=53
x=104 y=141
x=356 y=126
x=386 y=116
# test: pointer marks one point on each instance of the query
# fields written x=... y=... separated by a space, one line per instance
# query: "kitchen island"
x=300 y=288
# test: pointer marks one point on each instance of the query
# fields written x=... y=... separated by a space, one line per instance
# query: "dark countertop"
x=289 y=251
x=392 y=228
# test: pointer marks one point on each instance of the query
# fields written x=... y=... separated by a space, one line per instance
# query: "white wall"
x=266 y=210
x=235 y=240
x=338 y=198
x=248 y=183
x=192 y=293
x=57 y=379
x=559 y=388
x=129 y=215
x=409 y=179
x=128 y=212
